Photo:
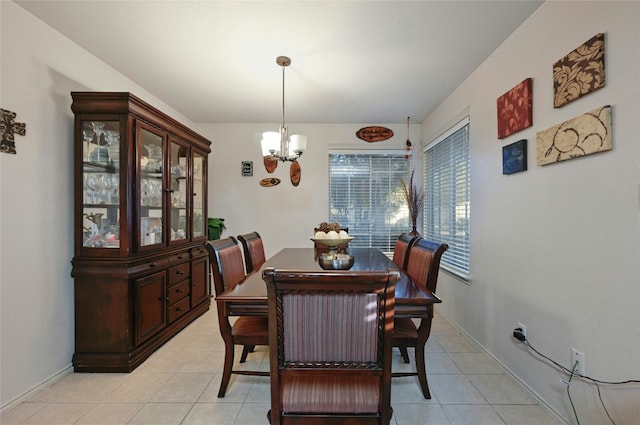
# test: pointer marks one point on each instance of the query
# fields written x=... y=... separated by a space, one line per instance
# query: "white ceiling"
x=352 y=61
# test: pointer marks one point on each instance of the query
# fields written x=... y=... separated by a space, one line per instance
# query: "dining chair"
x=227 y=268
x=422 y=267
x=330 y=346
x=400 y=258
x=253 y=251
x=401 y=249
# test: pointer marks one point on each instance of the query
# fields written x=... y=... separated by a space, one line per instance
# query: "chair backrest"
x=330 y=339
x=225 y=257
x=423 y=262
x=253 y=249
x=401 y=249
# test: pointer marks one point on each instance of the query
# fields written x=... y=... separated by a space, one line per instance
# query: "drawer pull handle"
x=153 y=264
x=180 y=257
x=179 y=309
x=180 y=291
x=180 y=272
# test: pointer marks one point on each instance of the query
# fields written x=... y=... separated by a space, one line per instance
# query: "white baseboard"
x=28 y=394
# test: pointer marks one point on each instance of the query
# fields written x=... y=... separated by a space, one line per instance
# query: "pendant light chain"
x=408 y=143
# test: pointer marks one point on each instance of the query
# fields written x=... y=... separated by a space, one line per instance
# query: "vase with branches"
x=414 y=196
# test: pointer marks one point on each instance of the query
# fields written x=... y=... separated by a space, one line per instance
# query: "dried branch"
x=415 y=197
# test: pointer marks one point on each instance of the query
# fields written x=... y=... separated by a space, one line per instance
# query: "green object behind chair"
x=216 y=227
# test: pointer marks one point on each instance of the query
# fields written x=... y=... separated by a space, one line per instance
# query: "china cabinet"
x=140 y=266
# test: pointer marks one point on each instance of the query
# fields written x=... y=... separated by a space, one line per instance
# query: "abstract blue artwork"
x=514 y=157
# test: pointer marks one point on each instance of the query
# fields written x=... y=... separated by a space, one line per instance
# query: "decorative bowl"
x=333 y=261
x=332 y=243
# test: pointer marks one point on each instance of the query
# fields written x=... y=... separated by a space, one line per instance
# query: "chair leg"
x=226 y=371
x=245 y=351
x=423 y=334
x=405 y=354
x=226 y=333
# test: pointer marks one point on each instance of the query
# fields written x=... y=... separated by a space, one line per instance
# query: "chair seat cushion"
x=311 y=393
x=251 y=327
x=404 y=331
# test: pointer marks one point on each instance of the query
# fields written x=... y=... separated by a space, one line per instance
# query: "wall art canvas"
x=580 y=72
x=583 y=135
x=514 y=157
x=515 y=111
x=8 y=129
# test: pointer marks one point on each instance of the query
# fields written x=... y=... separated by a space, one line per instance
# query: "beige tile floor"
x=178 y=385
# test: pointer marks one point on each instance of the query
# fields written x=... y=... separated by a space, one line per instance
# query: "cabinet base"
x=128 y=361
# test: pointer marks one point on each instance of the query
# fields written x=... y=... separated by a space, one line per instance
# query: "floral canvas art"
x=583 y=135
x=580 y=72
x=515 y=110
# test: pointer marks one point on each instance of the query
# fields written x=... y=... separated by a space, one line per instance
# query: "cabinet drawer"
x=178 y=258
x=200 y=251
x=178 y=309
x=179 y=291
x=148 y=266
x=178 y=273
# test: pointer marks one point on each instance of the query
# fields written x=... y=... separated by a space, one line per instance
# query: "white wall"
x=556 y=247
x=284 y=215
x=39 y=68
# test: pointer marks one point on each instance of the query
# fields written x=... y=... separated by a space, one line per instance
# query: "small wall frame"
x=514 y=157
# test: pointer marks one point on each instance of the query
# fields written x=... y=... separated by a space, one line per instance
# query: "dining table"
x=249 y=298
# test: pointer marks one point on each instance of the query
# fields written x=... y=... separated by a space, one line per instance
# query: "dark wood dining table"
x=249 y=298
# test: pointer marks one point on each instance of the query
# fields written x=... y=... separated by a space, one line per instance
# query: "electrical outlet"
x=524 y=329
x=577 y=356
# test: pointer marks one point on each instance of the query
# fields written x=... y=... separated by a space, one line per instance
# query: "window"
x=366 y=196
x=446 y=207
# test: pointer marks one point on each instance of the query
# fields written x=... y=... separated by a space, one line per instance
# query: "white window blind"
x=447 y=201
x=365 y=195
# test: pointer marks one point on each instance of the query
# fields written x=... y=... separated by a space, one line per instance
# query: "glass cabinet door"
x=199 y=219
x=151 y=191
x=101 y=184
x=178 y=155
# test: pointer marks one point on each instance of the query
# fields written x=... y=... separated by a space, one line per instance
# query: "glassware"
x=145 y=195
x=110 y=186
x=91 y=183
x=87 y=137
x=98 y=129
x=100 y=189
x=112 y=138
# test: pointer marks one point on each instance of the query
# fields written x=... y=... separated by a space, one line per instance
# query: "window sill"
x=457 y=274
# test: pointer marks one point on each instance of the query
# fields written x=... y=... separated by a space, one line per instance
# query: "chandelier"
x=277 y=145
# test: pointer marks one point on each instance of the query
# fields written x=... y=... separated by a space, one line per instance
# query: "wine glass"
x=156 y=191
x=91 y=183
x=112 y=138
x=87 y=136
x=101 y=189
x=110 y=187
